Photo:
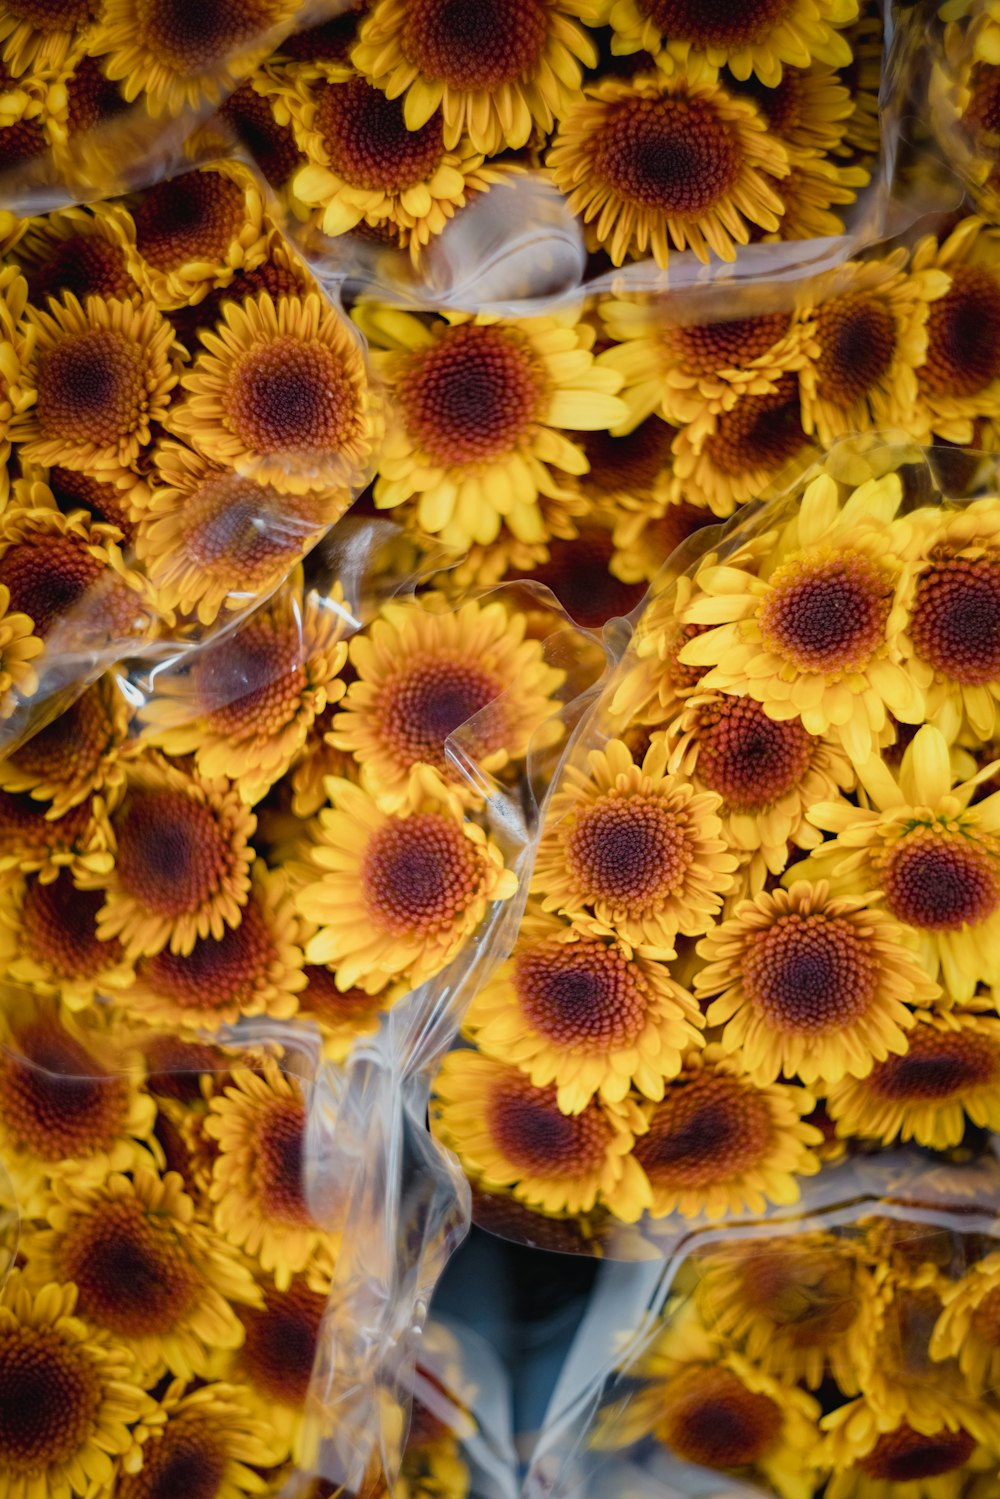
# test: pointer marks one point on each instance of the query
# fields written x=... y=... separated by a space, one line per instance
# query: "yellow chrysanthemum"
x=275 y=1365
x=510 y=1134
x=685 y=371
x=808 y=634
x=75 y=250
x=867 y=334
x=397 y=894
x=365 y=167
x=251 y=969
x=103 y=502
x=76 y=754
x=959 y=379
x=147 y=1272
x=20 y=648
x=420 y=673
x=713 y=1409
x=479 y=411
x=179 y=859
x=181 y=64
x=211 y=1432
x=653 y=165
x=749 y=452
x=94 y=137
x=797 y=1306
x=185 y=235
x=497 y=73
x=929 y=852
x=949 y=1074
x=244 y=706
x=49 y=941
x=104 y=373
x=259 y=1179
x=762 y=38
x=591 y=1016
x=933 y=1456
x=31 y=842
x=951 y=639
x=810 y=986
x=968 y=1328
x=631 y=851
x=37 y=37
x=279 y=393
x=69 y=1397
x=67 y=1109
x=17 y=392
x=768 y=771
x=808 y=107
x=214 y=540
x=718 y=1143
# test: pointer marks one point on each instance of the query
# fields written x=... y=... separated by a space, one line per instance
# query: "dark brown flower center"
x=537 y=1139
x=752 y=761
x=172 y=852
x=190 y=36
x=708 y=348
x=50 y=1397
x=472 y=46
x=630 y=851
x=809 y=975
x=281 y=1339
x=938 y=1065
x=963 y=335
x=291 y=396
x=216 y=973
x=670 y=155
x=827 y=614
x=716 y=23
x=92 y=387
x=184 y=1460
x=906 y=1456
x=857 y=338
x=56 y=1100
x=955 y=623
x=760 y=432
x=279 y=1163
x=579 y=575
x=59 y=929
x=430 y=696
x=49 y=578
x=132 y=1275
x=271 y=145
x=706 y=1130
x=419 y=874
x=581 y=995
x=367 y=142
x=940 y=881
x=712 y=1419
x=83 y=264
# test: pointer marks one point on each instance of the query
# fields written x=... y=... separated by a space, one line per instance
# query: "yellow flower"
x=68 y=1110
x=929 y=852
x=719 y=1143
x=75 y=250
x=797 y=1306
x=245 y=704
x=38 y=38
x=762 y=38
x=951 y=639
x=808 y=107
x=420 y=673
x=251 y=969
x=687 y=371
x=653 y=165
x=631 y=851
x=809 y=635
x=278 y=392
x=867 y=335
x=496 y=73
x=813 y=186
x=749 y=452
x=17 y=392
x=713 y=1409
x=76 y=754
x=950 y=1073
x=968 y=1328
x=104 y=373
x=479 y=407
x=49 y=942
x=213 y=540
x=68 y=1397
x=510 y=1134
x=178 y=867
x=397 y=894
x=178 y=67
x=809 y=985
x=20 y=647
x=591 y=1016
x=959 y=379
x=210 y=1431
x=188 y=234
x=31 y=842
x=934 y=1456
x=365 y=167
x=768 y=771
x=259 y=1184
x=274 y=1367
x=170 y=1304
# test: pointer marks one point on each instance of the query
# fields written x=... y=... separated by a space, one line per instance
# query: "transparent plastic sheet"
x=626 y=709
x=120 y=555
x=770 y=1358
x=108 y=108
x=958 y=65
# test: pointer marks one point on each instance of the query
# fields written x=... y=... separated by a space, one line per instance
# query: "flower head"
x=810 y=985
x=746 y=452
x=67 y=1395
x=653 y=165
x=397 y=893
x=49 y=931
x=210 y=1430
x=76 y=754
x=631 y=851
x=510 y=1134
